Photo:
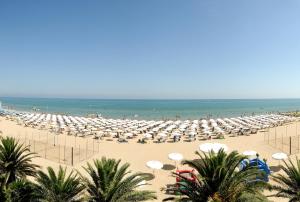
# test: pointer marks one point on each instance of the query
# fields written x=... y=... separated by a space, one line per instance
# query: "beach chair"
x=245 y=131
x=192 y=138
x=122 y=140
x=142 y=141
x=188 y=175
x=234 y=133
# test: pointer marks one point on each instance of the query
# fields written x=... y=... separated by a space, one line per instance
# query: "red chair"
x=187 y=174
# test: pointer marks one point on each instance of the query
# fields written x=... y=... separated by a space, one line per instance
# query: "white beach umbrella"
x=214 y=147
x=192 y=133
x=155 y=129
x=147 y=135
x=176 y=134
x=250 y=153
x=128 y=135
x=214 y=124
x=162 y=135
x=279 y=156
x=155 y=165
x=175 y=156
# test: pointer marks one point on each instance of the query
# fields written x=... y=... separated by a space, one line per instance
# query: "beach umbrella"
x=155 y=165
x=128 y=135
x=155 y=129
x=162 y=135
x=147 y=135
x=279 y=156
x=94 y=129
x=250 y=153
x=192 y=133
x=205 y=126
x=214 y=124
x=176 y=134
x=182 y=129
x=207 y=132
x=175 y=157
x=214 y=147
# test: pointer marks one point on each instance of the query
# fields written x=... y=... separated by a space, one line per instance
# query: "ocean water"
x=152 y=109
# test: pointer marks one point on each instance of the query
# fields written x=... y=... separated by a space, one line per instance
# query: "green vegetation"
x=111 y=181
x=288 y=183
x=21 y=191
x=58 y=188
x=219 y=180
x=15 y=161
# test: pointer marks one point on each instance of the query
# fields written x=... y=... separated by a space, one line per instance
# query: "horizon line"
x=95 y=98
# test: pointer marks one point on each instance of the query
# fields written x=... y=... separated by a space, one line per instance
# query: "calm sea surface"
x=153 y=109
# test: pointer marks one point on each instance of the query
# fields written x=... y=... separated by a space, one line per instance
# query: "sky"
x=155 y=49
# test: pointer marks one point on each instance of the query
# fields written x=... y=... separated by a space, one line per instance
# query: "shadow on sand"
x=275 y=168
x=168 y=167
x=148 y=176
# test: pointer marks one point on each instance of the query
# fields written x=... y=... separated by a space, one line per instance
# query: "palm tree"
x=2 y=188
x=111 y=182
x=21 y=191
x=288 y=184
x=15 y=160
x=58 y=188
x=219 y=180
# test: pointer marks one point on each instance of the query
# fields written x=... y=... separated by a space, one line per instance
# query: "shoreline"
x=153 y=109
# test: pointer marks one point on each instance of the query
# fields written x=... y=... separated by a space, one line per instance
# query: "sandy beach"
x=144 y=81
x=138 y=154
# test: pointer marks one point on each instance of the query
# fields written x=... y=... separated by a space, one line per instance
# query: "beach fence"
x=285 y=138
x=49 y=148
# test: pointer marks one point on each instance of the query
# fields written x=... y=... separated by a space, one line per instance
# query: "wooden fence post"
x=72 y=160
x=290 y=145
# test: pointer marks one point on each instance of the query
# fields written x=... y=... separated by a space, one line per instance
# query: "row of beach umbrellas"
x=83 y=126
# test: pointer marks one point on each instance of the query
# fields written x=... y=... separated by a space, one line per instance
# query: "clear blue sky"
x=150 y=49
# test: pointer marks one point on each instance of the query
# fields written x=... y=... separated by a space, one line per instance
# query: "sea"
x=152 y=109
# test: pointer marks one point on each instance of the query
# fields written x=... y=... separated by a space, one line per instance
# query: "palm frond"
x=218 y=178
x=15 y=160
x=110 y=181
x=288 y=183
x=58 y=187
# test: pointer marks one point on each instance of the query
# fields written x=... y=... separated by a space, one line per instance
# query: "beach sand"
x=138 y=154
